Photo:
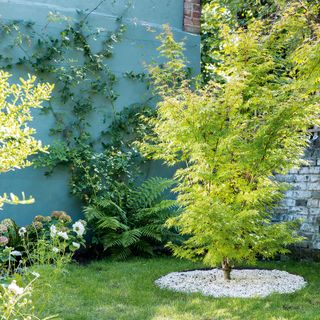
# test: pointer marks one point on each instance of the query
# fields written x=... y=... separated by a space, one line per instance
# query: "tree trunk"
x=226 y=268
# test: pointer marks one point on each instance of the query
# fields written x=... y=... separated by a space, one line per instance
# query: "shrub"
x=234 y=136
x=132 y=220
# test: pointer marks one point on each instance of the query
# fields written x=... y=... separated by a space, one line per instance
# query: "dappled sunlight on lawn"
x=110 y=290
x=197 y=312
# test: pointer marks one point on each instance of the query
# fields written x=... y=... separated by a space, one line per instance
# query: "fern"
x=132 y=222
x=93 y=213
x=143 y=247
x=111 y=223
x=108 y=204
x=165 y=206
x=152 y=232
x=121 y=253
x=149 y=192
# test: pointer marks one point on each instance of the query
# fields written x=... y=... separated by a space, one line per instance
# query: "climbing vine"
x=77 y=60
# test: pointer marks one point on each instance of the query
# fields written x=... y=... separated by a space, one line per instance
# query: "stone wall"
x=302 y=200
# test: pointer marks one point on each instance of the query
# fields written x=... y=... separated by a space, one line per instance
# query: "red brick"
x=196 y=21
x=196 y=14
x=192 y=15
x=188 y=21
x=188 y=13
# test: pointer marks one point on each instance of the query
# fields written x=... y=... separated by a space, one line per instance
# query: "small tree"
x=16 y=137
x=234 y=136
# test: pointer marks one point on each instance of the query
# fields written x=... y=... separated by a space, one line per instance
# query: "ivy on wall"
x=77 y=60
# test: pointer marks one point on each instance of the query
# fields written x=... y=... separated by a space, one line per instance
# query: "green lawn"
x=108 y=290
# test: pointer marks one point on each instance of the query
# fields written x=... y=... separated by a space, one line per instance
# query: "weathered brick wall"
x=192 y=14
x=302 y=200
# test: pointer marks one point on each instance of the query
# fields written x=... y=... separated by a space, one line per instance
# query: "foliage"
x=99 y=173
x=48 y=240
x=9 y=239
x=17 y=140
x=214 y=17
x=101 y=161
x=85 y=90
x=233 y=137
x=52 y=239
x=217 y=15
x=16 y=303
x=9 y=233
x=132 y=220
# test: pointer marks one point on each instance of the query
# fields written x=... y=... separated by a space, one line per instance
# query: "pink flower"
x=3 y=240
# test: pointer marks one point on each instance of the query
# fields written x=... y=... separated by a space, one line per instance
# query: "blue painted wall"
x=143 y=19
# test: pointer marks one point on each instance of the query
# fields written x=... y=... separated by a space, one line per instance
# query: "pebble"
x=245 y=283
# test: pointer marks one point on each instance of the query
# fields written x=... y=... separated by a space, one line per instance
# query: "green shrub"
x=131 y=221
x=234 y=136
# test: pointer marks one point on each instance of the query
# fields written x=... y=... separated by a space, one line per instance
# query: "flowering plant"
x=52 y=239
x=8 y=255
x=47 y=240
x=8 y=233
x=16 y=303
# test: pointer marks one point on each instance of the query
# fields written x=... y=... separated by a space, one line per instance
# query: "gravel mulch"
x=245 y=283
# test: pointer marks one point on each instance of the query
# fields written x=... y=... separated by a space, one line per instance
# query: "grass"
x=108 y=290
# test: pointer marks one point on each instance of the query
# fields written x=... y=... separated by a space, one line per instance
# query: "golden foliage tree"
x=234 y=135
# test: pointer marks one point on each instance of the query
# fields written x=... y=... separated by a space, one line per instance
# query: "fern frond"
x=130 y=237
x=111 y=240
x=107 y=204
x=93 y=212
x=151 y=232
x=143 y=247
x=120 y=253
x=110 y=223
x=135 y=223
x=149 y=192
x=124 y=239
x=165 y=206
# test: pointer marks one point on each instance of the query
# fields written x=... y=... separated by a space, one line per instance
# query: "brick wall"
x=192 y=14
x=302 y=200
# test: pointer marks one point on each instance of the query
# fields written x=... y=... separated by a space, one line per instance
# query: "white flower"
x=22 y=231
x=53 y=231
x=16 y=253
x=76 y=245
x=36 y=274
x=78 y=228
x=13 y=287
x=55 y=249
x=63 y=235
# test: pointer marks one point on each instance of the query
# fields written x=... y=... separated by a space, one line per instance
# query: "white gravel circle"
x=246 y=283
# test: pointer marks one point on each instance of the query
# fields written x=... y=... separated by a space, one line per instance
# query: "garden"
x=199 y=239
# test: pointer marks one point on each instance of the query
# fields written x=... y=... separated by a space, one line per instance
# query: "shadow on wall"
x=143 y=20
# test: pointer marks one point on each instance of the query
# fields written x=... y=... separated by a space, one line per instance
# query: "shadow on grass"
x=107 y=290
